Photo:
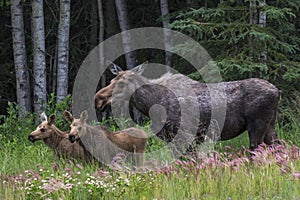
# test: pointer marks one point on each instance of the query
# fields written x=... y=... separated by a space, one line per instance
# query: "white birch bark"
x=39 y=61
x=165 y=11
x=122 y=12
x=63 y=50
x=20 y=61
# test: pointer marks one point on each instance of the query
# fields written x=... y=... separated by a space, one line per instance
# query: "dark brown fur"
x=252 y=104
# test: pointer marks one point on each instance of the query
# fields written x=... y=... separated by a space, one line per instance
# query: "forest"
x=43 y=45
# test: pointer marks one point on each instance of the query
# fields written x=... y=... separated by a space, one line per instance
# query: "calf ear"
x=115 y=69
x=51 y=119
x=44 y=117
x=140 y=68
x=84 y=116
x=68 y=116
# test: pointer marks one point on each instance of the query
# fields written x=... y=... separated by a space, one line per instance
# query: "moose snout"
x=31 y=138
x=72 y=138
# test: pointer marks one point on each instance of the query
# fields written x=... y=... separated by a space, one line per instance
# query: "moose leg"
x=256 y=131
x=139 y=159
x=271 y=135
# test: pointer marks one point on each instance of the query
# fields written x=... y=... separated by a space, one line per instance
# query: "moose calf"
x=57 y=140
x=103 y=144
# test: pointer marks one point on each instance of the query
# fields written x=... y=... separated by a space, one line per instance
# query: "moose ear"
x=140 y=68
x=115 y=69
x=84 y=116
x=68 y=116
x=44 y=117
x=52 y=119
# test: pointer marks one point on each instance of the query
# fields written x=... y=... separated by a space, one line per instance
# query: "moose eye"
x=43 y=130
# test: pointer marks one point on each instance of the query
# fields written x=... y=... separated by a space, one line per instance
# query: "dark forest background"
x=246 y=38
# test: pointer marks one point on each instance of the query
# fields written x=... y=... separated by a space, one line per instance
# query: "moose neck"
x=144 y=97
x=55 y=138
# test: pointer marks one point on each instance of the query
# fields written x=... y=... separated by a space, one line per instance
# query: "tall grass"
x=29 y=171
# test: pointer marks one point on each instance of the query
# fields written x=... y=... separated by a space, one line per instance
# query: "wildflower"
x=296 y=174
x=126 y=181
x=55 y=167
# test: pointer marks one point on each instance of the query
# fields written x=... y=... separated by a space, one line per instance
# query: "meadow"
x=29 y=170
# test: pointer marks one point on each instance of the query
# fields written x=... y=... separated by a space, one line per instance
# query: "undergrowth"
x=29 y=171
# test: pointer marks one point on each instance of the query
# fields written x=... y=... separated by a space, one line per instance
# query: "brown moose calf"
x=103 y=144
x=58 y=141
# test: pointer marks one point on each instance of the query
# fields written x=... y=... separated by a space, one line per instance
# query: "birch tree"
x=63 y=50
x=39 y=62
x=165 y=11
x=122 y=12
x=22 y=76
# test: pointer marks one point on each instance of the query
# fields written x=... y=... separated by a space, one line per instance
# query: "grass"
x=29 y=171
x=272 y=174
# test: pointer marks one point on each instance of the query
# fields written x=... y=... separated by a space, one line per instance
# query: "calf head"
x=117 y=85
x=77 y=125
x=44 y=130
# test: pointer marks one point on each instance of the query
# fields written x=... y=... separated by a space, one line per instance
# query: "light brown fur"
x=58 y=141
x=131 y=140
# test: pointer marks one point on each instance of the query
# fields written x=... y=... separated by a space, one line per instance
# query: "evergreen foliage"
x=225 y=32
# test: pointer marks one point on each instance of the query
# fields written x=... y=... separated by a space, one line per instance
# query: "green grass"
x=29 y=171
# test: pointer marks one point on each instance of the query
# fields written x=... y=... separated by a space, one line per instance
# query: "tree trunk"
x=165 y=11
x=94 y=25
x=101 y=50
x=63 y=50
x=54 y=70
x=22 y=76
x=39 y=62
x=101 y=20
x=130 y=57
x=262 y=22
x=110 y=18
x=252 y=21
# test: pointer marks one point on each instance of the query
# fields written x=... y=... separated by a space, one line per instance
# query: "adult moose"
x=251 y=104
